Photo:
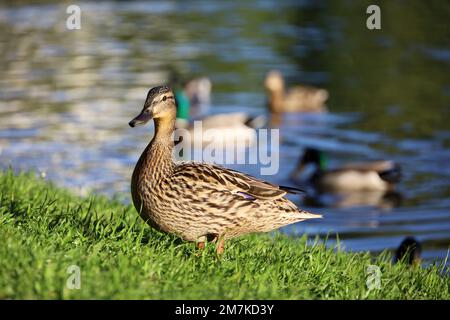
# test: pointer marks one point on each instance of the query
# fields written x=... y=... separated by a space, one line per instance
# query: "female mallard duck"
x=369 y=176
x=296 y=99
x=199 y=201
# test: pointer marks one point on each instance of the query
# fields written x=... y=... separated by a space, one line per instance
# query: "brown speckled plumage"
x=295 y=99
x=197 y=200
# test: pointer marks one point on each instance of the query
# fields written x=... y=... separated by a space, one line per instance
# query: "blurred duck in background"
x=409 y=252
x=224 y=128
x=295 y=99
x=199 y=201
x=352 y=185
x=238 y=127
x=364 y=176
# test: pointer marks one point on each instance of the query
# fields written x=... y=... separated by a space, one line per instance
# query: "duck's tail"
x=292 y=190
x=256 y=122
x=307 y=215
x=392 y=175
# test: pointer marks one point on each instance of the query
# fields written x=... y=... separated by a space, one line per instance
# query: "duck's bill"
x=141 y=119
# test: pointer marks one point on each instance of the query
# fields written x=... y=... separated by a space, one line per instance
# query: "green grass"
x=44 y=230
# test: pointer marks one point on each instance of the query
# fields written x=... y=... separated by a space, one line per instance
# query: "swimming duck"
x=201 y=202
x=409 y=251
x=231 y=127
x=192 y=96
x=296 y=99
x=367 y=176
x=196 y=92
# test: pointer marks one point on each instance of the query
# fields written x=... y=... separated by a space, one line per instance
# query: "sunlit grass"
x=44 y=230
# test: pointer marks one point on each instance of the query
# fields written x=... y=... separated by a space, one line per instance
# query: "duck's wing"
x=234 y=181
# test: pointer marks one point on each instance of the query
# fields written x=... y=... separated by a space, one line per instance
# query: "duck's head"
x=310 y=156
x=160 y=103
x=274 y=81
x=409 y=251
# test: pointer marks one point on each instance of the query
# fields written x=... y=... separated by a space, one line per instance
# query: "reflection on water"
x=382 y=199
x=66 y=96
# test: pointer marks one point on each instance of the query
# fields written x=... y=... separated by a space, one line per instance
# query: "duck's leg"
x=220 y=247
x=220 y=242
x=200 y=244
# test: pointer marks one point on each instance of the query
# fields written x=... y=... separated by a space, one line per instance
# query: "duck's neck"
x=156 y=161
x=164 y=128
x=322 y=164
x=276 y=99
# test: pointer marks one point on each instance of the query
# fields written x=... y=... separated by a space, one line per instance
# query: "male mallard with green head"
x=229 y=127
x=364 y=176
x=199 y=201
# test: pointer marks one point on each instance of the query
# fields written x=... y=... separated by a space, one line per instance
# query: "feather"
x=292 y=190
x=233 y=181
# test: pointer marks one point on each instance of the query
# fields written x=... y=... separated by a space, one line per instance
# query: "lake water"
x=66 y=96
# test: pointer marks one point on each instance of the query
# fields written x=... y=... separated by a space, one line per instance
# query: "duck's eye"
x=164 y=98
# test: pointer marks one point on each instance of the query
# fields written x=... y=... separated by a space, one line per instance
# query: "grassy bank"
x=44 y=230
